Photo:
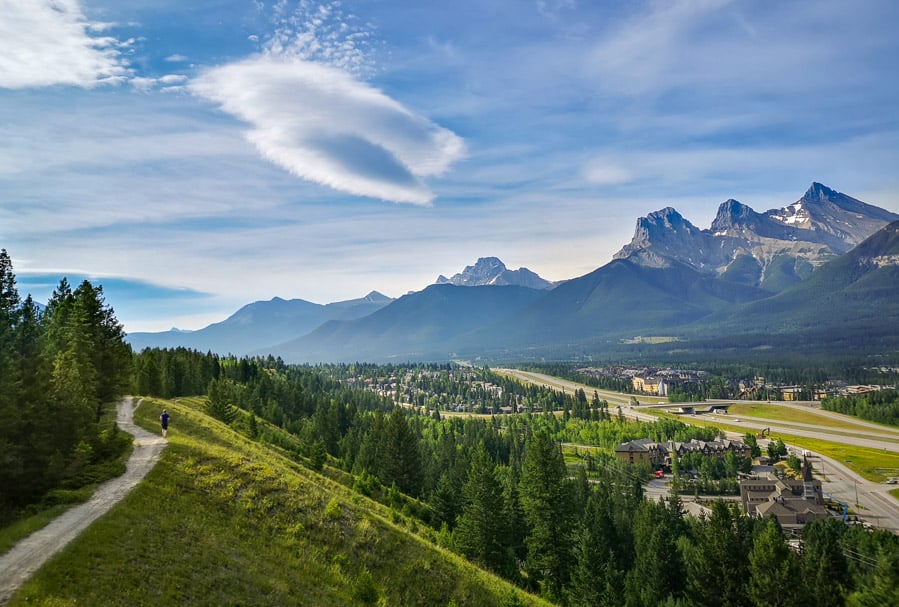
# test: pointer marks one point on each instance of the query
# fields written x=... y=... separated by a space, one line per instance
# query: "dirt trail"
x=26 y=557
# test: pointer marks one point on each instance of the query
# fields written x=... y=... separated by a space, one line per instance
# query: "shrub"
x=333 y=510
x=364 y=590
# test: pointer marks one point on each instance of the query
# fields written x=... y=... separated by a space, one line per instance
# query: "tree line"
x=881 y=406
x=58 y=367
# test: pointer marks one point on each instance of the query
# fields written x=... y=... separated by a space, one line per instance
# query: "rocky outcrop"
x=771 y=249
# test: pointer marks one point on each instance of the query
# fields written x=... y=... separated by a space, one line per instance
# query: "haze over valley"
x=749 y=274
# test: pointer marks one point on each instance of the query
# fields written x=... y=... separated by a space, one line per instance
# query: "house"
x=792 y=502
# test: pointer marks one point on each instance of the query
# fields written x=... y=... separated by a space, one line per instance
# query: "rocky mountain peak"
x=732 y=214
x=492 y=271
x=818 y=192
x=659 y=236
x=376 y=297
x=832 y=218
x=667 y=218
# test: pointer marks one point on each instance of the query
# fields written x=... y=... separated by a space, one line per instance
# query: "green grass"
x=869 y=463
x=791 y=414
x=223 y=520
x=25 y=526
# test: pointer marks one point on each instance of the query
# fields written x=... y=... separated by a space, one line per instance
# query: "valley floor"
x=870 y=499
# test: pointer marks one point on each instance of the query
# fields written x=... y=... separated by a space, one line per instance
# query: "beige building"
x=792 y=502
x=645 y=450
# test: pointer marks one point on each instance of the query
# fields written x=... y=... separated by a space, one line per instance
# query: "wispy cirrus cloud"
x=311 y=112
x=51 y=42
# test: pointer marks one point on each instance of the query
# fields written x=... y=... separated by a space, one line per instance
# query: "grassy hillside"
x=223 y=520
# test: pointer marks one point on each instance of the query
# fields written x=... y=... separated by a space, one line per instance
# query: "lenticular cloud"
x=322 y=125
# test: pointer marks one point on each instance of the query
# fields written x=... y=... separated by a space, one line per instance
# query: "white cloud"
x=603 y=171
x=143 y=84
x=323 y=125
x=49 y=42
x=170 y=79
x=322 y=33
x=176 y=58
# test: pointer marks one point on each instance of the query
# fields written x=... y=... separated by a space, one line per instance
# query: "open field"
x=790 y=414
x=804 y=415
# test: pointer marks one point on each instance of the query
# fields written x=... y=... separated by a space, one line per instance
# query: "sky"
x=193 y=157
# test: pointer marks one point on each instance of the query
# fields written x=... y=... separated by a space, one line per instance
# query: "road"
x=883 y=439
x=871 y=500
x=615 y=399
x=26 y=557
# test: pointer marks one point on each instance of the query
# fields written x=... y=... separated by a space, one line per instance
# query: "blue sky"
x=193 y=157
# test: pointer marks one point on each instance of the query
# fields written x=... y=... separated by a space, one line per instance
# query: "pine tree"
x=402 y=464
x=220 y=399
x=481 y=531
x=596 y=580
x=773 y=569
x=445 y=501
x=824 y=566
x=9 y=320
x=545 y=500
x=12 y=454
x=884 y=587
x=658 y=573
x=718 y=565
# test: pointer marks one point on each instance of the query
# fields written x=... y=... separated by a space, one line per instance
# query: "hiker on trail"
x=164 y=420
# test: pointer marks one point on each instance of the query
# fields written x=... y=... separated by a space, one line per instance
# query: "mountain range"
x=261 y=324
x=771 y=250
x=820 y=271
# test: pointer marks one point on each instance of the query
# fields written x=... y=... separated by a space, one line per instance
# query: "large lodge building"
x=656 y=455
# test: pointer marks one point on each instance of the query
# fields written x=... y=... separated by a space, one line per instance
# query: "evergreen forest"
x=59 y=368
x=881 y=406
x=499 y=490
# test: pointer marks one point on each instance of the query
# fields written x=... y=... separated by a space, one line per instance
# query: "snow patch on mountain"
x=490 y=271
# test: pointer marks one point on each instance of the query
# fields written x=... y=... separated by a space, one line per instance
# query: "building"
x=791 y=393
x=792 y=502
x=650 y=385
x=655 y=454
x=640 y=451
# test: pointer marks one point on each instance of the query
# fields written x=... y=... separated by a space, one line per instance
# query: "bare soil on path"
x=26 y=557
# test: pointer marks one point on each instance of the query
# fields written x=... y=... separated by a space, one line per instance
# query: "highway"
x=870 y=500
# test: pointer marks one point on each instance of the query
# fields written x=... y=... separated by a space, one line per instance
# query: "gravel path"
x=26 y=557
